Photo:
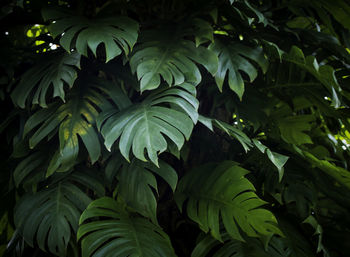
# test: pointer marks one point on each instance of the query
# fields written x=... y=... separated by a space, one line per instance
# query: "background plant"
x=175 y=128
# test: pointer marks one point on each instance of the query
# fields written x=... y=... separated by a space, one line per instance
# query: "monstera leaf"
x=49 y=217
x=222 y=190
x=137 y=183
x=173 y=60
x=143 y=126
x=73 y=119
x=117 y=33
x=55 y=70
x=233 y=58
x=120 y=233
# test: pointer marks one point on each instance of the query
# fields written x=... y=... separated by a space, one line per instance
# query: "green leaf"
x=279 y=160
x=116 y=33
x=222 y=190
x=143 y=126
x=137 y=183
x=54 y=70
x=228 y=129
x=233 y=58
x=32 y=163
x=73 y=119
x=323 y=73
x=49 y=217
x=120 y=233
x=173 y=60
x=293 y=129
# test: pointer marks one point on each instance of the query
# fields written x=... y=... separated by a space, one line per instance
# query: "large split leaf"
x=145 y=125
x=222 y=190
x=117 y=33
x=73 y=119
x=55 y=70
x=172 y=59
x=50 y=216
x=233 y=58
x=120 y=233
x=137 y=183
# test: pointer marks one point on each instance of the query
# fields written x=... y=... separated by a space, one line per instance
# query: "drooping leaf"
x=222 y=190
x=279 y=160
x=116 y=33
x=143 y=126
x=172 y=59
x=55 y=70
x=228 y=129
x=137 y=183
x=233 y=59
x=120 y=233
x=49 y=217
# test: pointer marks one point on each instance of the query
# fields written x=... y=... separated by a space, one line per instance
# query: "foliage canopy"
x=175 y=128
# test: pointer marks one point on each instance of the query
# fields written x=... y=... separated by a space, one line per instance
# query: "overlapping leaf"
x=173 y=59
x=73 y=119
x=233 y=59
x=222 y=190
x=120 y=233
x=54 y=71
x=117 y=33
x=137 y=183
x=144 y=126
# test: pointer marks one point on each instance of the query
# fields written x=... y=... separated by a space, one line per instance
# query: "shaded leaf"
x=50 y=216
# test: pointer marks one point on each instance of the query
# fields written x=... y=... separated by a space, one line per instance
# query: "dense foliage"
x=155 y=128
